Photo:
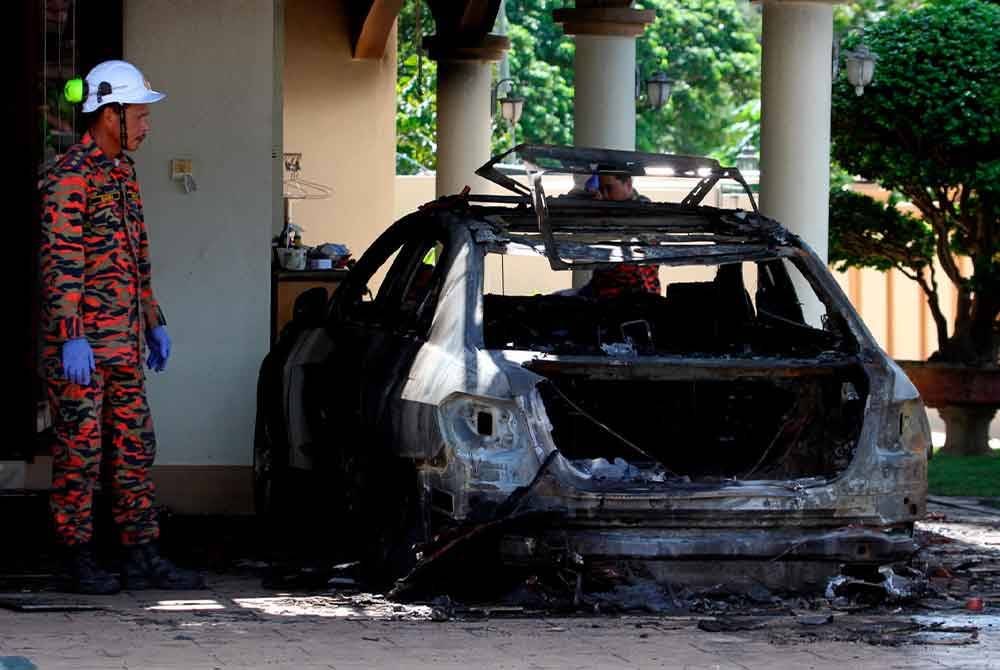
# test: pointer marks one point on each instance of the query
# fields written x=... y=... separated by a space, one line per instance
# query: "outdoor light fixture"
x=860 y=67
x=658 y=88
x=511 y=106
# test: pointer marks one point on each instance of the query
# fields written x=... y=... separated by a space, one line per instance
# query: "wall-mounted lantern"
x=511 y=106
x=658 y=89
x=860 y=64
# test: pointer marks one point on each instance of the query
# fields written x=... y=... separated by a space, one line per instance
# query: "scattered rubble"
x=945 y=594
x=883 y=584
x=893 y=633
x=955 y=573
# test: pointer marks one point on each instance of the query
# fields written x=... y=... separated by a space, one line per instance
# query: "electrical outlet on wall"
x=180 y=168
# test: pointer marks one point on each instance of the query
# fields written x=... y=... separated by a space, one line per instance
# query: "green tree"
x=711 y=48
x=416 y=115
x=744 y=129
x=865 y=233
x=928 y=127
x=416 y=102
x=858 y=15
x=541 y=60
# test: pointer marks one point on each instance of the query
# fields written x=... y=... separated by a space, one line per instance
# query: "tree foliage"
x=851 y=17
x=711 y=48
x=865 y=233
x=416 y=103
x=541 y=60
x=928 y=127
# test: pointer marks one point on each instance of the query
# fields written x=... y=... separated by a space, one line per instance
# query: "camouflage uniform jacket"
x=95 y=272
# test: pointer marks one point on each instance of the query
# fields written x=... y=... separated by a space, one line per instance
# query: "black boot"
x=86 y=576
x=145 y=569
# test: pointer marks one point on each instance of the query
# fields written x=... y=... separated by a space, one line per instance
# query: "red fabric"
x=625 y=278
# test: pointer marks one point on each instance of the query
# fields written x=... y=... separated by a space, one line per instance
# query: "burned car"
x=740 y=413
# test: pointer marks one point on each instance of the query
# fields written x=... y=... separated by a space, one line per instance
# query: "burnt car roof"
x=541 y=159
x=576 y=232
x=580 y=239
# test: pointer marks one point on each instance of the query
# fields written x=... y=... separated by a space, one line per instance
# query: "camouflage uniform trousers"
x=109 y=419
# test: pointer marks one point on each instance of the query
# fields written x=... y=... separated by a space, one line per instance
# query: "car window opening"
x=655 y=357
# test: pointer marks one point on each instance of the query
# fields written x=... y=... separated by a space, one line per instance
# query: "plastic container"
x=291 y=259
x=320 y=264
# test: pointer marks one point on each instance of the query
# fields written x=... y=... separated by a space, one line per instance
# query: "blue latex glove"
x=78 y=361
x=159 y=348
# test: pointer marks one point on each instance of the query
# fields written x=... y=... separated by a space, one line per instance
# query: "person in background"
x=620 y=278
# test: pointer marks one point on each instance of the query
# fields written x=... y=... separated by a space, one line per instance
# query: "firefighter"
x=97 y=311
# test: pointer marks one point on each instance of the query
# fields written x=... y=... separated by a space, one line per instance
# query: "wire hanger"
x=296 y=188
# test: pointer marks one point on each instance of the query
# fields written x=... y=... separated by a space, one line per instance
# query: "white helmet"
x=117 y=81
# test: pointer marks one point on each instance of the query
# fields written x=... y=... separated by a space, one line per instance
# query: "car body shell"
x=416 y=391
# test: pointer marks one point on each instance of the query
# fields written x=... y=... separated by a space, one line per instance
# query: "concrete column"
x=463 y=109
x=604 y=99
x=463 y=124
x=604 y=103
x=795 y=118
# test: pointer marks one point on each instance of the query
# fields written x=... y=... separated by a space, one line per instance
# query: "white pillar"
x=604 y=102
x=463 y=124
x=604 y=72
x=604 y=99
x=795 y=118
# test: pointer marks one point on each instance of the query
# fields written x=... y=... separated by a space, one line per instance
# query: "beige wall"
x=216 y=63
x=340 y=114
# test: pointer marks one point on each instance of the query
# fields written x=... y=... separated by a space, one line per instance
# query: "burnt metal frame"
x=571 y=160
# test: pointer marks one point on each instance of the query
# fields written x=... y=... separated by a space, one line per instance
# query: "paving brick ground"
x=239 y=624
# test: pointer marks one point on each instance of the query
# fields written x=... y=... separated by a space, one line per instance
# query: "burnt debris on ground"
x=956 y=570
x=945 y=594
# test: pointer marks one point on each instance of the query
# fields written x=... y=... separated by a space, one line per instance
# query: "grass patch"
x=964 y=475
